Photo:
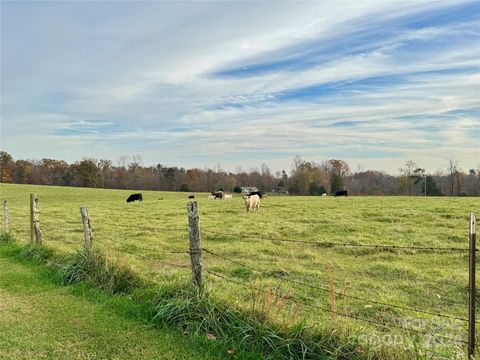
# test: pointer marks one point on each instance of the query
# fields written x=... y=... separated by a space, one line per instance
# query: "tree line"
x=304 y=178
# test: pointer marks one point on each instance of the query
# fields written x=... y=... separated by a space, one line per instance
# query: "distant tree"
x=237 y=189
x=316 y=189
x=22 y=171
x=170 y=175
x=301 y=177
x=406 y=179
x=185 y=188
x=88 y=173
x=419 y=178
x=7 y=167
x=338 y=170
x=453 y=173
x=432 y=188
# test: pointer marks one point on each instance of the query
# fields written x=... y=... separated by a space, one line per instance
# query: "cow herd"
x=252 y=200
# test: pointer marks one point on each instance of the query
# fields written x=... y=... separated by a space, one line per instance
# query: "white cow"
x=228 y=197
x=211 y=197
x=252 y=203
x=324 y=194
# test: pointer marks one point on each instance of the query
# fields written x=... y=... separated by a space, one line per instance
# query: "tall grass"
x=97 y=271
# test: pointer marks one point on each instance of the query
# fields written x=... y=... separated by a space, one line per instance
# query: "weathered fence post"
x=195 y=249
x=87 y=231
x=32 y=235
x=471 y=285
x=35 y=215
x=5 y=214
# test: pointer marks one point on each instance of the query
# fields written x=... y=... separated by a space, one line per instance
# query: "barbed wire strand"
x=330 y=243
x=180 y=252
x=298 y=301
x=151 y=259
x=324 y=289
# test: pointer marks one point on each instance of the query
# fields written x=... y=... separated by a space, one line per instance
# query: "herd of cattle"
x=252 y=200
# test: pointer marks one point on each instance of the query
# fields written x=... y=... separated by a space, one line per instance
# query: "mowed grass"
x=39 y=318
x=140 y=235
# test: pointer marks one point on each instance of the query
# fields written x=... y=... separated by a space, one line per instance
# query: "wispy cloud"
x=239 y=83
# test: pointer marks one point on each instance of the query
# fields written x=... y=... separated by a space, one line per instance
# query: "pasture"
x=261 y=262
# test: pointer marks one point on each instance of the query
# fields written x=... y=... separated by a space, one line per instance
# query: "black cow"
x=134 y=197
x=341 y=193
x=259 y=193
x=191 y=197
x=217 y=194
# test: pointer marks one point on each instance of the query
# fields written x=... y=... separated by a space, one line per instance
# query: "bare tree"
x=452 y=172
x=406 y=181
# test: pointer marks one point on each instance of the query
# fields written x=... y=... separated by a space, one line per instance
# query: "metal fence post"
x=471 y=286
x=194 y=237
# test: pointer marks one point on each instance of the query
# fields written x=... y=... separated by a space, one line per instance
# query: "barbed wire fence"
x=41 y=232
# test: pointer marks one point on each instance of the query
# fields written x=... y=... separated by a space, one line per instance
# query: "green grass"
x=40 y=318
x=136 y=236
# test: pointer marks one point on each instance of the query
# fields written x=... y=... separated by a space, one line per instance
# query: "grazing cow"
x=341 y=193
x=227 y=197
x=218 y=194
x=191 y=197
x=211 y=197
x=134 y=197
x=260 y=194
x=252 y=203
x=324 y=194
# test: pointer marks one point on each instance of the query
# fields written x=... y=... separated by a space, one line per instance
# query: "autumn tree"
x=7 y=167
x=338 y=170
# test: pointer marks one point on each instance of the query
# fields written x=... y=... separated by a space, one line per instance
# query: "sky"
x=238 y=84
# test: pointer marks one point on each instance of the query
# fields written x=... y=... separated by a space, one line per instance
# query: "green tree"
x=185 y=188
x=432 y=188
x=88 y=173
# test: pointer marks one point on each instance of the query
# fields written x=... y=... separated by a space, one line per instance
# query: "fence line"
x=196 y=265
x=152 y=259
x=324 y=289
x=325 y=309
x=331 y=244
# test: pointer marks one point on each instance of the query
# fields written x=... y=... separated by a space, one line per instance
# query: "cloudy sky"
x=199 y=84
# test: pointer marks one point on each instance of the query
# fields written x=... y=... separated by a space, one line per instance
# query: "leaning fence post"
x=87 y=231
x=5 y=214
x=471 y=292
x=194 y=237
x=32 y=235
x=36 y=220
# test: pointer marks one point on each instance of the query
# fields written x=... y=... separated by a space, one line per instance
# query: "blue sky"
x=199 y=84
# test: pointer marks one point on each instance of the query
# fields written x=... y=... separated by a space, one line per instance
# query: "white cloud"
x=148 y=70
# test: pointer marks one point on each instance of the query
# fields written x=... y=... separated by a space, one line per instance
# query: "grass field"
x=42 y=319
x=138 y=235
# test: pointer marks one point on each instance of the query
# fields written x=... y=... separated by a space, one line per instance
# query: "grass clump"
x=37 y=252
x=197 y=312
x=97 y=271
x=6 y=238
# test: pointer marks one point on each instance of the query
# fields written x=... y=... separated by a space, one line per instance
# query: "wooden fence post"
x=195 y=249
x=5 y=214
x=32 y=235
x=87 y=231
x=471 y=286
x=36 y=220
